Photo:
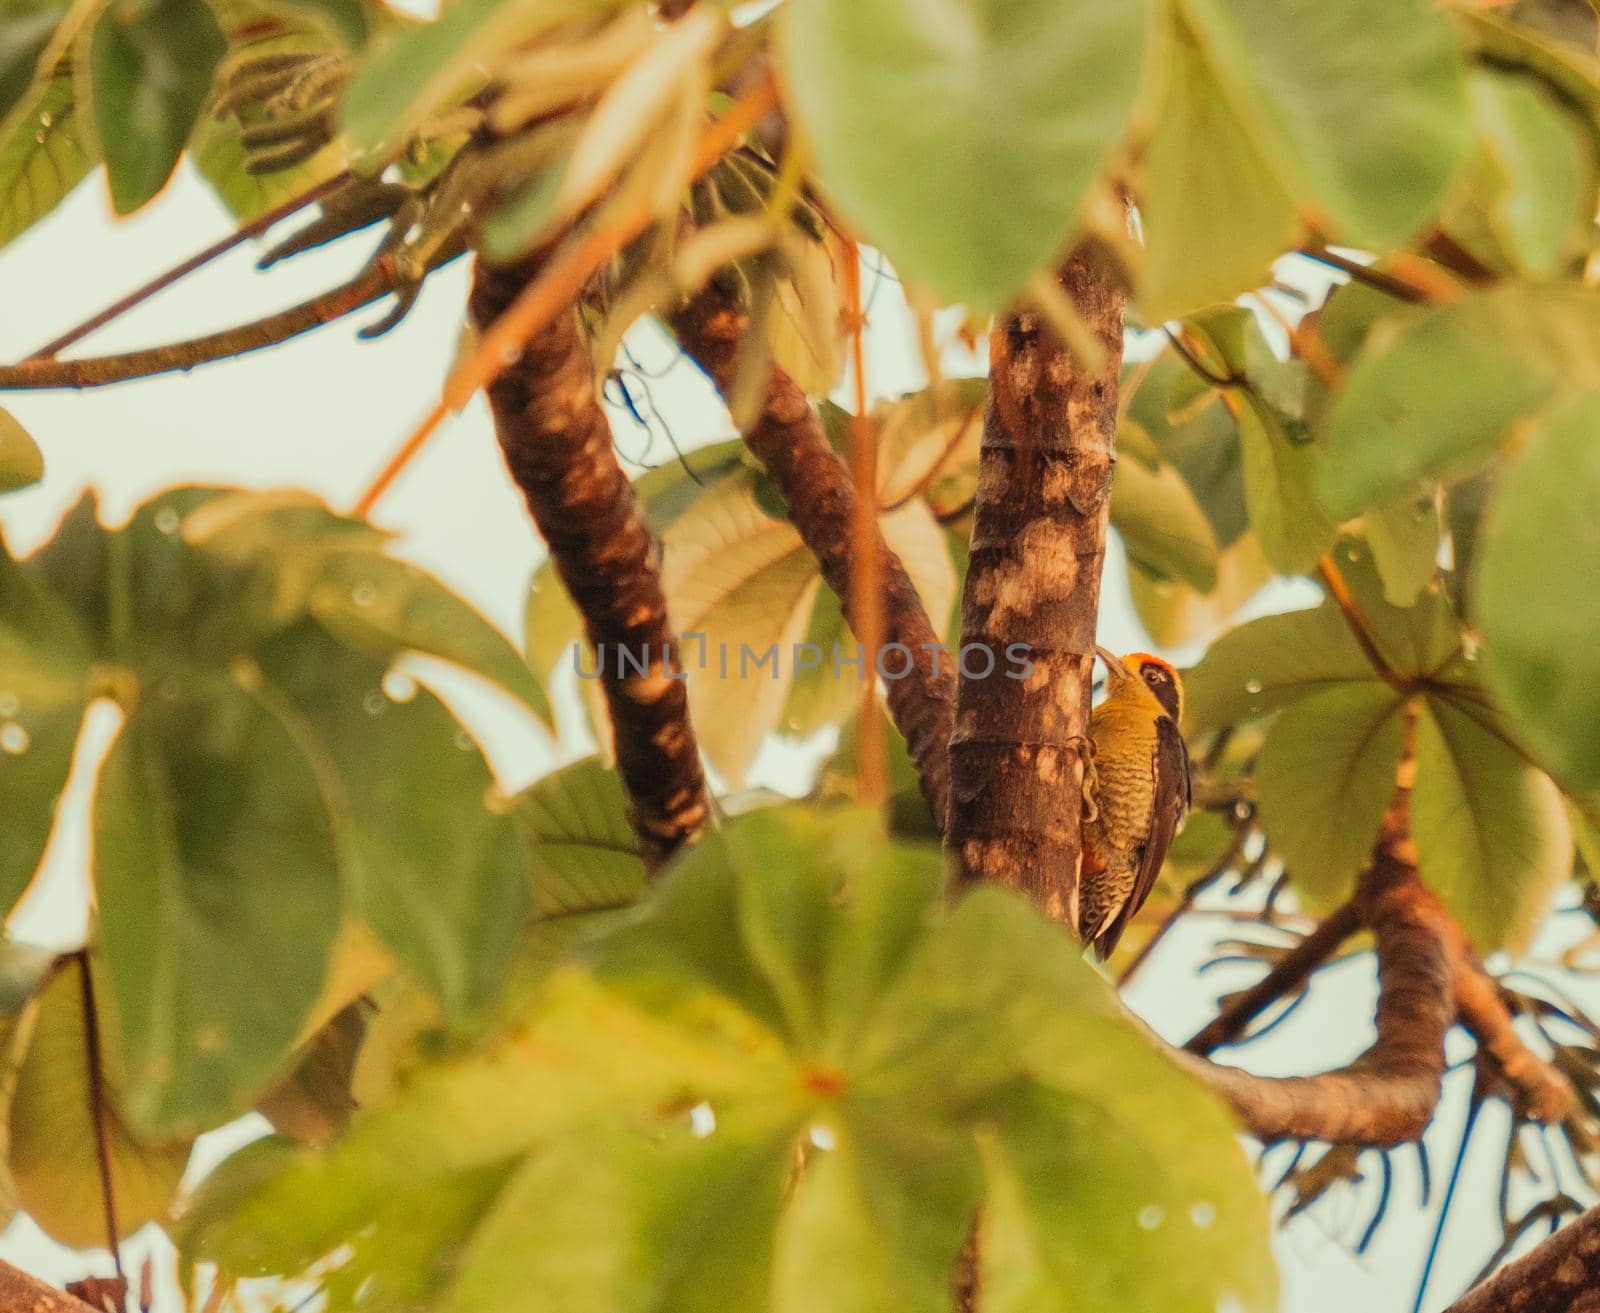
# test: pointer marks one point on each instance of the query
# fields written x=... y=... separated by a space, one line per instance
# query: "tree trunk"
x=1032 y=593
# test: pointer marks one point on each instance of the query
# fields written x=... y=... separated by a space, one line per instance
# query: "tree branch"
x=1291 y=971
x=373 y=283
x=1535 y=1089
x=1560 y=1276
x=788 y=439
x=21 y=1293
x=1033 y=584
x=558 y=446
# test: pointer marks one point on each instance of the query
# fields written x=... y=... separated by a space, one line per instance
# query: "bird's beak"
x=1113 y=661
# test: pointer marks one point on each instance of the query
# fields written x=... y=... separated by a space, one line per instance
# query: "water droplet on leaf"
x=14 y=740
x=364 y=594
x=399 y=686
x=9 y=706
x=822 y=1137
x=1151 y=1216
x=167 y=520
x=1252 y=686
x=464 y=741
x=1202 y=1214
x=702 y=1120
x=374 y=703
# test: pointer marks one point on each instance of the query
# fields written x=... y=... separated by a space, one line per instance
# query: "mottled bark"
x=21 y=1293
x=788 y=438
x=1560 y=1276
x=557 y=444
x=1038 y=542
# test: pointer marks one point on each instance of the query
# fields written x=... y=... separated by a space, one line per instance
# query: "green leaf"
x=639 y=1223
x=1493 y=837
x=21 y=461
x=966 y=147
x=1544 y=185
x=383 y=606
x=53 y=1156
x=1538 y=626
x=44 y=691
x=577 y=820
x=216 y=869
x=1436 y=400
x=1270 y=663
x=439 y=875
x=1174 y=614
x=1280 y=487
x=884 y=1210
x=1325 y=776
x=1082 y=1216
x=1162 y=525
x=1234 y=209
x=1403 y=536
x=151 y=62
x=43 y=155
x=1361 y=110
x=423 y=70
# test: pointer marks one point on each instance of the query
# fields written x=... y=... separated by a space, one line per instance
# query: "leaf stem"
x=97 y=1110
x=1359 y=628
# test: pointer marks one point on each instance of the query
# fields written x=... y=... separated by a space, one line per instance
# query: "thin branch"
x=789 y=440
x=1416 y=288
x=373 y=283
x=866 y=550
x=199 y=260
x=1292 y=971
x=1538 y=1091
x=94 y=1066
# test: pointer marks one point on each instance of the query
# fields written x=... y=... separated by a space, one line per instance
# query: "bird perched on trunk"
x=1135 y=792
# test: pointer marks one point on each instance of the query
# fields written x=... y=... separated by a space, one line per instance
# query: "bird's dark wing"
x=1170 y=804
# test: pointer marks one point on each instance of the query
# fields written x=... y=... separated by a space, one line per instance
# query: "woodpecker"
x=1135 y=793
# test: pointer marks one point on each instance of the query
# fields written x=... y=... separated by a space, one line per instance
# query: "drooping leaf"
x=1538 y=619
x=588 y=857
x=53 y=1156
x=1234 y=209
x=1361 y=110
x=1542 y=194
x=1162 y=525
x=21 y=461
x=1403 y=536
x=1325 y=776
x=151 y=62
x=1174 y=614
x=432 y=866
x=217 y=874
x=1281 y=479
x=1435 y=401
x=1493 y=838
x=964 y=148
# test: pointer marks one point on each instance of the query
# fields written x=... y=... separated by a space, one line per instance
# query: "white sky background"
x=324 y=412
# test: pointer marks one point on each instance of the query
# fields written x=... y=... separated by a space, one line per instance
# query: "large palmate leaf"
x=588 y=854
x=965 y=146
x=790 y=1079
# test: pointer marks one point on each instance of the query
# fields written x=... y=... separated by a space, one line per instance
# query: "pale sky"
x=323 y=412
